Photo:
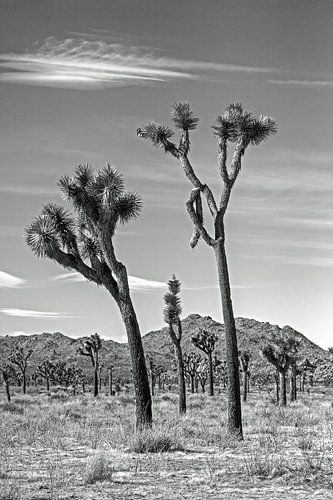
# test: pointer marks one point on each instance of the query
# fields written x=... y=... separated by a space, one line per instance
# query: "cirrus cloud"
x=85 y=64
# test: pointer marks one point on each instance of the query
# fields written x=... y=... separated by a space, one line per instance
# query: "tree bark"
x=210 y=374
x=96 y=381
x=192 y=384
x=139 y=370
x=181 y=379
x=7 y=392
x=234 y=398
x=293 y=382
x=245 y=386
x=24 y=386
x=47 y=384
x=283 y=389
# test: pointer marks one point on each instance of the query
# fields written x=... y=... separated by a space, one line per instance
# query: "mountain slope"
x=252 y=336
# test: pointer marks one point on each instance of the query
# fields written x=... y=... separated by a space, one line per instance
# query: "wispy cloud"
x=26 y=313
x=92 y=64
x=10 y=281
x=304 y=83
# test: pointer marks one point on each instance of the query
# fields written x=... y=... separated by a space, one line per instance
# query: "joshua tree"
x=100 y=380
x=244 y=359
x=234 y=127
x=205 y=341
x=279 y=352
x=91 y=348
x=46 y=370
x=172 y=311
x=191 y=362
x=8 y=375
x=59 y=373
x=84 y=242
x=19 y=357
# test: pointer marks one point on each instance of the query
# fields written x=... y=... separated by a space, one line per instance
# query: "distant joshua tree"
x=91 y=348
x=110 y=380
x=19 y=357
x=206 y=341
x=8 y=375
x=279 y=352
x=244 y=360
x=46 y=370
x=191 y=362
x=241 y=129
x=202 y=373
x=84 y=242
x=172 y=311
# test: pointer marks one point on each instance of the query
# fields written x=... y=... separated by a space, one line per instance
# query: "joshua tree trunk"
x=202 y=383
x=110 y=369
x=277 y=387
x=192 y=384
x=7 y=392
x=293 y=382
x=234 y=398
x=283 y=389
x=181 y=379
x=96 y=381
x=83 y=387
x=139 y=370
x=47 y=384
x=24 y=385
x=210 y=374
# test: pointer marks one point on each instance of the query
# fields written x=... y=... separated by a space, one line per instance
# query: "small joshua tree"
x=172 y=312
x=84 y=242
x=279 y=353
x=19 y=357
x=8 y=375
x=191 y=362
x=244 y=360
x=46 y=370
x=91 y=348
x=59 y=373
x=206 y=341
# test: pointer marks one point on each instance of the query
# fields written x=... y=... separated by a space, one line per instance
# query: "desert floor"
x=59 y=446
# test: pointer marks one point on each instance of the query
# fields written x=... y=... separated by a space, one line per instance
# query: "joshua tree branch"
x=195 y=218
x=222 y=161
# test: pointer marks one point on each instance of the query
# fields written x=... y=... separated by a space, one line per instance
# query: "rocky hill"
x=252 y=335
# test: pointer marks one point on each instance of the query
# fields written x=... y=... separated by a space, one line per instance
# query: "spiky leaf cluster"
x=205 y=341
x=157 y=134
x=239 y=125
x=100 y=202
x=280 y=350
x=172 y=309
x=183 y=116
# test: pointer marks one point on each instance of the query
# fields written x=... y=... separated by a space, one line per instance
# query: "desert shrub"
x=10 y=492
x=263 y=464
x=98 y=469
x=126 y=399
x=156 y=441
x=12 y=408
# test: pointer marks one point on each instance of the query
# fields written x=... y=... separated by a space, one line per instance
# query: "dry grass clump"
x=156 y=440
x=12 y=408
x=97 y=469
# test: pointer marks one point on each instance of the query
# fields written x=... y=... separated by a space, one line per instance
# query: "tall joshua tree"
x=91 y=348
x=241 y=129
x=84 y=242
x=19 y=357
x=205 y=341
x=279 y=352
x=244 y=360
x=172 y=311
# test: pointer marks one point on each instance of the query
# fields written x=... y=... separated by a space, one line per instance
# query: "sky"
x=78 y=77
